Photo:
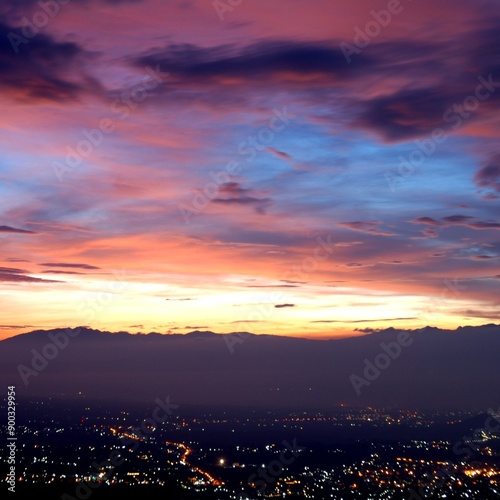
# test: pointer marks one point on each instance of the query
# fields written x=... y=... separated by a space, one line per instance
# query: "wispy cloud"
x=9 y=229
x=69 y=265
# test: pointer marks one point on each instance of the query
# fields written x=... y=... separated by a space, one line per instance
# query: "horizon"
x=359 y=332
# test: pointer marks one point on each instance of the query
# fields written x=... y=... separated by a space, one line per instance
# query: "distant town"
x=76 y=448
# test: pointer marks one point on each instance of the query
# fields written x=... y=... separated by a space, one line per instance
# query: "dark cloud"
x=279 y=306
x=421 y=82
x=407 y=114
x=472 y=313
x=18 y=277
x=481 y=224
x=41 y=69
x=446 y=74
x=237 y=195
x=75 y=266
x=52 y=271
x=9 y=229
x=232 y=188
x=16 y=327
x=253 y=62
x=12 y=270
x=426 y=220
x=489 y=175
x=280 y=154
x=457 y=219
x=14 y=10
x=453 y=220
x=242 y=200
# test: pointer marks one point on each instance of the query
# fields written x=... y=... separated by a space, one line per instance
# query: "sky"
x=290 y=167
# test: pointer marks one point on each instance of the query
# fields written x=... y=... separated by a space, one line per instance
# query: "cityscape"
x=72 y=446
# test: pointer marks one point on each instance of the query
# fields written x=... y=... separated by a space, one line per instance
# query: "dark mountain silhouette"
x=437 y=369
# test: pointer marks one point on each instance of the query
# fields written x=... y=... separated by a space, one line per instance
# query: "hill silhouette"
x=432 y=368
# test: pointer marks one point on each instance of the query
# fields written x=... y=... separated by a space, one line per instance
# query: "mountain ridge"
x=210 y=334
x=411 y=368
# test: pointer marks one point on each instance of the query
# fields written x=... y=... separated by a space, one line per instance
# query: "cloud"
x=9 y=229
x=41 y=69
x=14 y=10
x=405 y=109
x=16 y=327
x=63 y=264
x=489 y=176
x=406 y=114
x=279 y=154
x=369 y=226
x=12 y=270
x=480 y=314
x=362 y=320
x=237 y=195
x=52 y=271
x=224 y=63
x=279 y=306
x=14 y=275
x=426 y=220
x=453 y=220
x=408 y=96
x=232 y=188
x=246 y=321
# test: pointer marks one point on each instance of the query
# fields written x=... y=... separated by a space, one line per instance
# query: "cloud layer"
x=249 y=167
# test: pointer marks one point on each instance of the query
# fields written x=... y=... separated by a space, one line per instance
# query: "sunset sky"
x=274 y=166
